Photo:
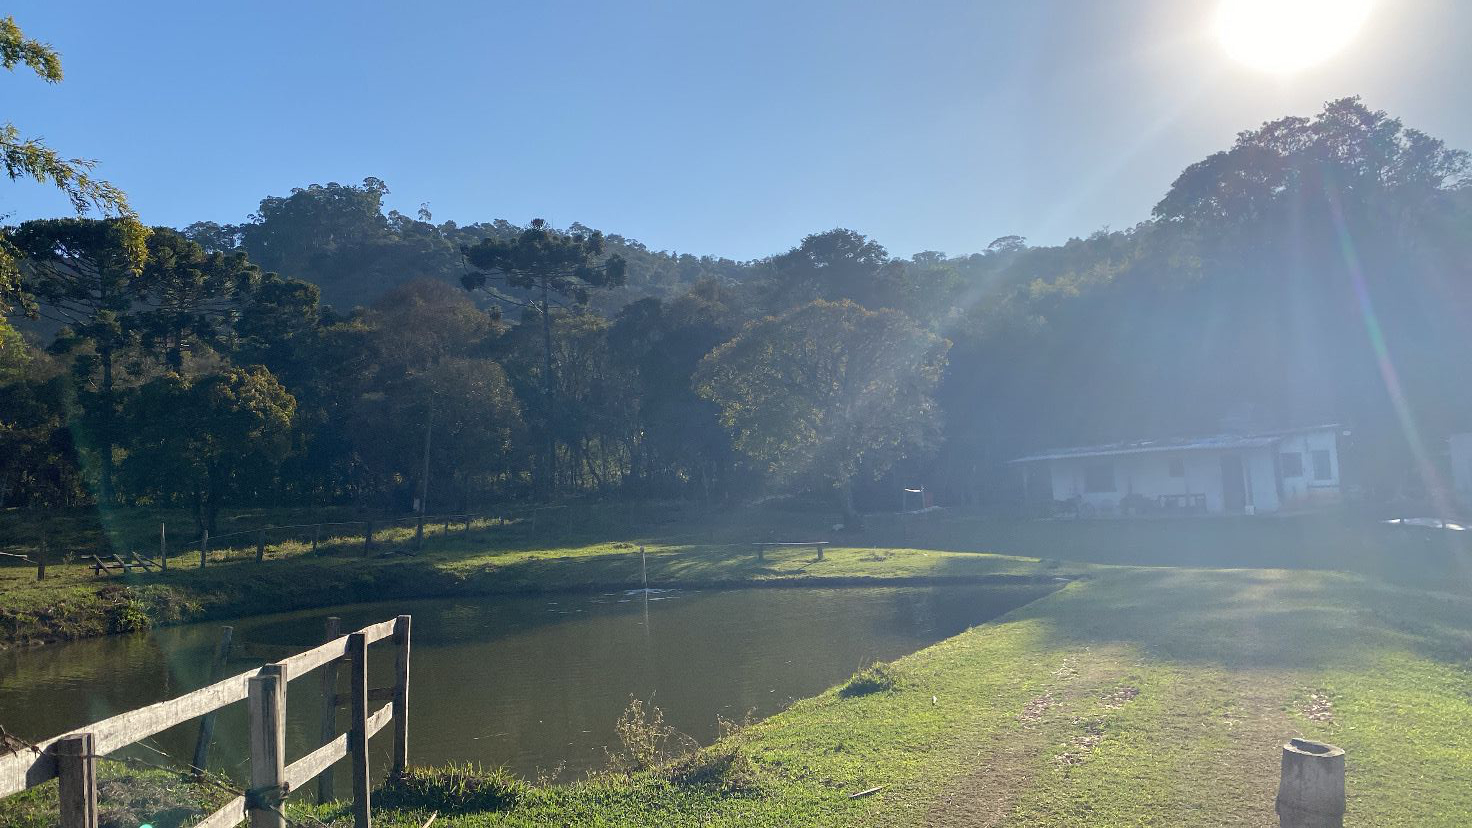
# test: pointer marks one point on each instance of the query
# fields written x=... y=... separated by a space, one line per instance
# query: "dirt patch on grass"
x=1091 y=733
x=985 y=797
x=1318 y=707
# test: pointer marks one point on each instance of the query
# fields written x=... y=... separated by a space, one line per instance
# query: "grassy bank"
x=585 y=549
x=1142 y=697
x=596 y=546
x=1144 y=694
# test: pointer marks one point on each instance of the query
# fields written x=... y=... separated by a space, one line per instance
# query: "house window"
x=1099 y=476
x=1291 y=463
x=1322 y=469
x=1177 y=467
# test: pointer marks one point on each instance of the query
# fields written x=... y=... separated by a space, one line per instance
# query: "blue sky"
x=725 y=128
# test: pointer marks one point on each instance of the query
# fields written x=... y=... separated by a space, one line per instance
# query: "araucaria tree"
x=828 y=391
x=30 y=158
x=85 y=274
x=556 y=268
x=210 y=441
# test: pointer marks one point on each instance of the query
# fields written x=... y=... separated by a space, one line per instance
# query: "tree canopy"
x=1317 y=270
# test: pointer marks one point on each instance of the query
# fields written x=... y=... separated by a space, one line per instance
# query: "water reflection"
x=533 y=683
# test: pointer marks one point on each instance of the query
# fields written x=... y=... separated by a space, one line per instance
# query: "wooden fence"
x=72 y=758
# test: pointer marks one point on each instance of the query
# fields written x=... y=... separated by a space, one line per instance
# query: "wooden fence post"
x=316 y=530
x=41 y=558
x=207 y=723
x=204 y=547
x=401 y=695
x=419 y=531
x=260 y=545
x=267 y=699
x=76 y=766
x=163 y=546
x=329 y=708
x=358 y=735
x=367 y=536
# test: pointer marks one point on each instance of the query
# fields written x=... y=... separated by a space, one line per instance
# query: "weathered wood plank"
x=303 y=663
x=76 y=760
x=227 y=817
x=268 y=746
x=19 y=771
x=315 y=764
x=25 y=769
x=328 y=725
x=402 y=626
x=380 y=719
x=359 y=733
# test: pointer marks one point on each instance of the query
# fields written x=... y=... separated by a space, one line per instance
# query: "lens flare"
x=1285 y=36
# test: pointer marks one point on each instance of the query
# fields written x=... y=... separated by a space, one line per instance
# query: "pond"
x=531 y=683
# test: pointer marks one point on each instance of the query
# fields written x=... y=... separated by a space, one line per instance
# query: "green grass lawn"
x=1154 y=690
x=1138 y=697
x=589 y=547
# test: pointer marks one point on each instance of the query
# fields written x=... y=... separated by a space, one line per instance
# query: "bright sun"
x=1283 y=36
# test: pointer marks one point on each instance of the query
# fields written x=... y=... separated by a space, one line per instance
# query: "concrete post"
x=1311 y=786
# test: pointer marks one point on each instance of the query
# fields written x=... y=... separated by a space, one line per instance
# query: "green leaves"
x=29 y=158
x=16 y=49
x=543 y=258
x=827 y=390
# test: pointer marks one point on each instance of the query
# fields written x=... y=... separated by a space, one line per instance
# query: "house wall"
x=1460 y=446
x=1148 y=474
x=1305 y=490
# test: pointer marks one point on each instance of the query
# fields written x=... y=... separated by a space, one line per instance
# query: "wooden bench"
x=112 y=563
x=762 y=547
x=1190 y=503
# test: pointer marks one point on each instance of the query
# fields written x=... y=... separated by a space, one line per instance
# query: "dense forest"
x=1317 y=270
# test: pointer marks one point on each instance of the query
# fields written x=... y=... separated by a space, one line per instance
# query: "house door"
x=1234 y=492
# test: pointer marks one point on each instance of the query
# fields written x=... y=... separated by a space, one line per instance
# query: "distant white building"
x=1224 y=474
x=1460 y=450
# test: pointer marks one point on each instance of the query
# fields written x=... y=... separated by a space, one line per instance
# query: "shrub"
x=723 y=766
x=128 y=615
x=453 y=788
x=647 y=741
x=875 y=678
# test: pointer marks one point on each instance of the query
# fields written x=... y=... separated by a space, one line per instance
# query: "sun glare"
x=1283 y=36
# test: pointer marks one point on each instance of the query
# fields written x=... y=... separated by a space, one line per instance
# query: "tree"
x=85 y=274
x=555 y=266
x=839 y=264
x=209 y=442
x=30 y=158
x=476 y=423
x=828 y=391
x=676 y=437
x=193 y=296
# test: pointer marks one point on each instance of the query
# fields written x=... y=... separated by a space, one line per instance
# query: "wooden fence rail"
x=72 y=758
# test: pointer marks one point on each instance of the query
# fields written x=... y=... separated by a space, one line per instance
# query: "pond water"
x=532 y=683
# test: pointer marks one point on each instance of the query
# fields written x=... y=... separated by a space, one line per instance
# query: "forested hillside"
x=1317 y=270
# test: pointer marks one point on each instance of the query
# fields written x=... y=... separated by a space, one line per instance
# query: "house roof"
x=1218 y=441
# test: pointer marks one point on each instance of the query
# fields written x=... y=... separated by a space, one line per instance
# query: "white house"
x=1225 y=474
x=1460 y=449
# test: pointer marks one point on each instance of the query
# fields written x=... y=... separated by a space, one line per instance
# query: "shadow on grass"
x=1246 y=619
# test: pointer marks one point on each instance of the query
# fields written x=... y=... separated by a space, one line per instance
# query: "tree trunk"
x=104 y=495
x=212 y=500
x=850 y=515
